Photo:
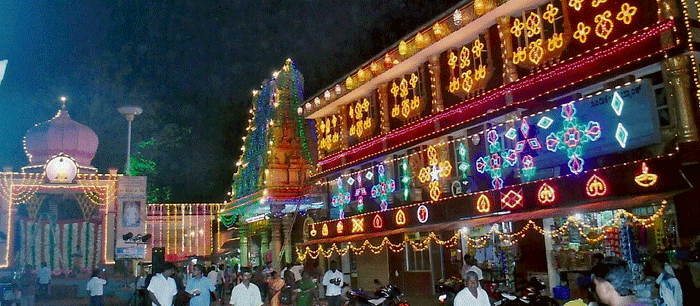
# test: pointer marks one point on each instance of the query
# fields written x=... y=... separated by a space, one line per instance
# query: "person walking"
x=162 y=288
x=245 y=293
x=44 y=279
x=472 y=295
x=27 y=284
x=95 y=288
x=333 y=279
x=200 y=288
x=306 y=288
x=670 y=292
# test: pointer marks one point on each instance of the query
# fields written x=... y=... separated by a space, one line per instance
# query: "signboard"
x=131 y=215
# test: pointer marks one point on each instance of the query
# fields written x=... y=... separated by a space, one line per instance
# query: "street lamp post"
x=129 y=112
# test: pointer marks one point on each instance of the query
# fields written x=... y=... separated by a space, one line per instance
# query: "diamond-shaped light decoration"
x=369 y=175
x=534 y=144
x=621 y=135
x=511 y=134
x=519 y=146
x=617 y=103
x=524 y=128
x=545 y=122
x=351 y=181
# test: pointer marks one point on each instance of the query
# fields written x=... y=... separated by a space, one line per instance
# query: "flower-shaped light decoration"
x=517 y=28
x=576 y=4
x=572 y=137
x=550 y=13
x=626 y=13
x=497 y=161
x=383 y=189
x=582 y=31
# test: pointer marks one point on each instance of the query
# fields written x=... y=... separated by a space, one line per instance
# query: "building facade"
x=512 y=132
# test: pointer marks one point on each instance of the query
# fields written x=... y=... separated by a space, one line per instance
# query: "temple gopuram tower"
x=272 y=172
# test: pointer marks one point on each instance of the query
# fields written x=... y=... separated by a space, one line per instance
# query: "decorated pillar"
x=383 y=95
x=276 y=227
x=243 y=234
x=677 y=82
x=435 y=85
x=264 y=244
x=287 y=222
x=509 y=71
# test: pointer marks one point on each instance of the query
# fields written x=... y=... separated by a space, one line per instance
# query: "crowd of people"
x=611 y=283
x=246 y=286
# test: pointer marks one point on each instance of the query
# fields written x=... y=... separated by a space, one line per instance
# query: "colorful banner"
x=131 y=215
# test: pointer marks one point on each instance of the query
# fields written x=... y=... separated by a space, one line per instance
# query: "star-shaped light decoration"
x=433 y=172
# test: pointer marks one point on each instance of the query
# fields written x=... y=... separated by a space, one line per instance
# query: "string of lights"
x=482 y=240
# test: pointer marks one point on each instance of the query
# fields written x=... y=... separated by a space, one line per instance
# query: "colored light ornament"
x=596 y=187
x=358 y=225
x=621 y=135
x=407 y=103
x=361 y=123
x=546 y=194
x=528 y=170
x=360 y=193
x=483 y=204
x=576 y=4
x=617 y=103
x=545 y=122
x=383 y=189
x=550 y=13
x=646 y=179
x=405 y=179
x=498 y=161
x=313 y=231
x=377 y=222
x=433 y=172
x=604 y=25
x=582 y=31
x=341 y=199
x=400 y=217
x=324 y=230
x=626 y=13
x=422 y=214
x=512 y=199
x=339 y=228
x=572 y=137
x=369 y=175
x=463 y=164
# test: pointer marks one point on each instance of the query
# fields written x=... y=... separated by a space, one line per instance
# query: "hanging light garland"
x=481 y=241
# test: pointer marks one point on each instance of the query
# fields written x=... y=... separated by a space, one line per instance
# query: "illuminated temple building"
x=58 y=209
x=271 y=187
x=513 y=132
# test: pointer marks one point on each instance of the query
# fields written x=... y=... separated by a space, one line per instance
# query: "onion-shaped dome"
x=60 y=135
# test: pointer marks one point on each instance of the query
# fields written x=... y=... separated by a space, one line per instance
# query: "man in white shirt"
x=246 y=293
x=333 y=280
x=472 y=295
x=95 y=286
x=44 y=279
x=162 y=287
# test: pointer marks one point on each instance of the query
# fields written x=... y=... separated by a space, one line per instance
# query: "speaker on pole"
x=158 y=259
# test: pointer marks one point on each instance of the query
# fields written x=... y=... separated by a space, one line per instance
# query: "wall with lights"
x=644 y=177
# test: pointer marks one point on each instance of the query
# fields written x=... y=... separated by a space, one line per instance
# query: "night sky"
x=191 y=65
